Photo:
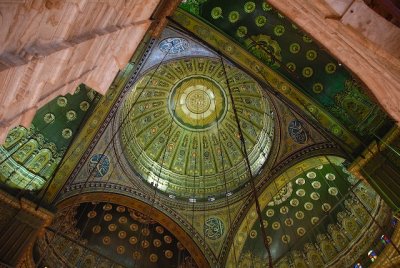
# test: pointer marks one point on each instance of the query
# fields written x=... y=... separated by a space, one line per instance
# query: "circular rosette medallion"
x=100 y=163
x=197 y=103
x=213 y=228
x=173 y=45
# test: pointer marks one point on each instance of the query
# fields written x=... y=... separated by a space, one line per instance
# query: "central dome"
x=180 y=133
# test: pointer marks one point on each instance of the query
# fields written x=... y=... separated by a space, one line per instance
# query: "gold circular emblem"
x=157 y=243
x=169 y=254
x=108 y=217
x=145 y=244
x=106 y=240
x=122 y=219
x=120 y=249
x=96 y=229
x=153 y=257
x=134 y=227
x=112 y=227
x=122 y=234
x=133 y=240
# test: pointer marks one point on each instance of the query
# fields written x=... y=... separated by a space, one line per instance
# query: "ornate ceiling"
x=314 y=218
x=186 y=94
x=182 y=133
x=166 y=134
x=30 y=156
x=100 y=234
x=269 y=36
x=171 y=140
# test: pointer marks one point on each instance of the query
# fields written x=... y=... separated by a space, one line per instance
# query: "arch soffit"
x=144 y=208
x=271 y=190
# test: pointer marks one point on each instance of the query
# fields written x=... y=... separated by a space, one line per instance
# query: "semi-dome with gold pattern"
x=180 y=132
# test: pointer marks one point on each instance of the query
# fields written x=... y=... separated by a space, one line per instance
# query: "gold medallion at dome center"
x=198 y=100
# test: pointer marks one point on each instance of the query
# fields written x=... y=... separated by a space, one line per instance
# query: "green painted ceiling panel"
x=29 y=157
x=271 y=37
x=58 y=120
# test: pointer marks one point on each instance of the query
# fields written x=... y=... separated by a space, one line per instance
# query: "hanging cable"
x=222 y=159
x=109 y=175
x=343 y=196
x=155 y=185
x=282 y=223
x=113 y=136
x=392 y=148
x=77 y=148
x=343 y=150
x=244 y=152
x=23 y=190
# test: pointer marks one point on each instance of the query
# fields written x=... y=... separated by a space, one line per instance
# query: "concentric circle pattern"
x=182 y=134
x=193 y=103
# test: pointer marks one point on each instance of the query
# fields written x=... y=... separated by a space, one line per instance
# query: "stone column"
x=20 y=225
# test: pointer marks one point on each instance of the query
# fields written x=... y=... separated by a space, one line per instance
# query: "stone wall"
x=49 y=47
